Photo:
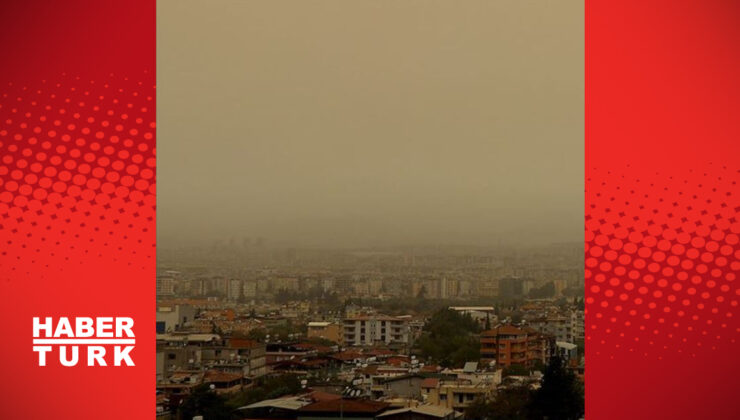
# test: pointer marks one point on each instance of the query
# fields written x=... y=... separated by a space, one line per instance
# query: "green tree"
x=204 y=402
x=509 y=404
x=257 y=334
x=515 y=370
x=422 y=292
x=265 y=388
x=561 y=396
x=449 y=338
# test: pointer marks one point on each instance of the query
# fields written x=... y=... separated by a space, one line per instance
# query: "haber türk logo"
x=101 y=341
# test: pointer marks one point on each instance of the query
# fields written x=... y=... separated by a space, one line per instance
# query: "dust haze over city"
x=343 y=180
x=410 y=123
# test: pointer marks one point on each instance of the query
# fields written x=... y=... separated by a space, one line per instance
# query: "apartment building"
x=560 y=327
x=325 y=330
x=507 y=345
x=455 y=394
x=374 y=329
x=578 y=325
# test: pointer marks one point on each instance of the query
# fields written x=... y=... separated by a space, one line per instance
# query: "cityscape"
x=370 y=210
x=246 y=330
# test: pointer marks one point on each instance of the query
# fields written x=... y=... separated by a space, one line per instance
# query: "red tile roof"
x=241 y=343
x=218 y=376
x=346 y=406
x=430 y=383
x=317 y=396
x=397 y=360
x=348 y=355
x=430 y=368
x=311 y=346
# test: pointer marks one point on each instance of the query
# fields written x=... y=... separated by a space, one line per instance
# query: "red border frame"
x=77 y=198
x=662 y=203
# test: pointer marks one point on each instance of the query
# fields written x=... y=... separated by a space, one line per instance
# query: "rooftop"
x=319 y=324
x=346 y=406
x=427 y=410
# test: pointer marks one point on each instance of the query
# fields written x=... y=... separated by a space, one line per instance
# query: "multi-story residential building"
x=327 y=284
x=488 y=287
x=465 y=288
x=374 y=329
x=557 y=326
x=507 y=345
x=243 y=356
x=165 y=286
x=172 y=318
x=456 y=394
x=578 y=325
x=250 y=289
x=235 y=289
x=375 y=287
x=449 y=288
x=326 y=330
x=251 y=354
x=291 y=284
x=203 y=351
x=361 y=288
x=263 y=285
x=181 y=351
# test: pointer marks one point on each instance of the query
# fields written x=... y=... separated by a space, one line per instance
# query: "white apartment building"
x=372 y=329
x=578 y=325
x=250 y=289
x=559 y=327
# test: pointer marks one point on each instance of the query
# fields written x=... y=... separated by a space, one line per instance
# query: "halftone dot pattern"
x=662 y=258
x=77 y=172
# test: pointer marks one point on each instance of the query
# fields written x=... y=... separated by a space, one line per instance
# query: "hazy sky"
x=354 y=123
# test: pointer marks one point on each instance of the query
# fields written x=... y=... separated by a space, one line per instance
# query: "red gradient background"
x=77 y=203
x=77 y=198
x=662 y=204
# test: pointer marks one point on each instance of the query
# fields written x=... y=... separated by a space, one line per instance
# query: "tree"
x=561 y=396
x=509 y=404
x=204 y=402
x=449 y=338
x=479 y=409
x=212 y=406
x=257 y=334
x=264 y=389
x=422 y=292
x=516 y=370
